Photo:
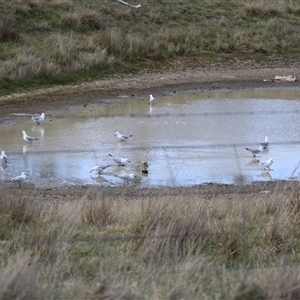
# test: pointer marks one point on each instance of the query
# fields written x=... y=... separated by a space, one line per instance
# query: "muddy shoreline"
x=114 y=90
x=15 y=109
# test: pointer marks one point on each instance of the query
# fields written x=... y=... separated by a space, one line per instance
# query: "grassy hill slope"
x=44 y=42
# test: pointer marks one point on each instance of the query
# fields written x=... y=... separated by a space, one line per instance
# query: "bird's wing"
x=30 y=138
x=17 y=178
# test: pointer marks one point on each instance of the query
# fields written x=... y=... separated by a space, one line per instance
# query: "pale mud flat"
x=114 y=90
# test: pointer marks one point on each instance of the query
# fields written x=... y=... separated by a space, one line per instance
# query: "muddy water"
x=187 y=139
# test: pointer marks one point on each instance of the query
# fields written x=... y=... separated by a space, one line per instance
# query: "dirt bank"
x=114 y=90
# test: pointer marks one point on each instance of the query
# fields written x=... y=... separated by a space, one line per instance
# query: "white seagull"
x=39 y=119
x=267 y=164
x=120 y=160
x=28 y=138
x=265 y=144
x=122 y=137
x=125 y=3
x=3 y=158
x=19 y=179
x=99 y=169
x=255 y=151
x=126 y=177
x=151 y=99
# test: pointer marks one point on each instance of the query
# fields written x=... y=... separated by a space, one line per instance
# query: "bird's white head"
x=117 y=133
x=23 y=132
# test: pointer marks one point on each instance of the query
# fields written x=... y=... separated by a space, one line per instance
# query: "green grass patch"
x=58 y=42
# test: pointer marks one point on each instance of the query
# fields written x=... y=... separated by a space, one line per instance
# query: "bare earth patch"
x=15 y=108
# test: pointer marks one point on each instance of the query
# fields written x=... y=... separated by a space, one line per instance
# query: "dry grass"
x=61 y=4
x=56 y=34
x=9 y=31
x=269 y=8
x=163 y=247
x=76 y=20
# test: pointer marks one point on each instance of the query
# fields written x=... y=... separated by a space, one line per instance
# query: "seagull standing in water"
x=3 y=158
x=126 y=177
x=99 y=169
x=151 y=99
x=265 y=144
x=28 y=138
x=39 y=119
x=266 y=165
x=120 y=160
x=19 y=179
x=122 y=137
x=255 y=151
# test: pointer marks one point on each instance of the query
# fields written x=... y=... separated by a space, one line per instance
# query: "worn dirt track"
x=114 y=90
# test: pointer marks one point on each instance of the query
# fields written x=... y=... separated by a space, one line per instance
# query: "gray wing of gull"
x=125 y=176
x=30 y=138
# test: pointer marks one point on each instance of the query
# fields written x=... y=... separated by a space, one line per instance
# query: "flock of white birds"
x=120 y=161
x=263 y=146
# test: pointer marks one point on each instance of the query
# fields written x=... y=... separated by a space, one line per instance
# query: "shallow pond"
x=188 y=138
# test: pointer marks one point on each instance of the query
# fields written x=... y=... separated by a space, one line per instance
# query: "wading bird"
x=265 y=144
x=151 y=99
x=3 y=158
x=28 y=138
x=266 y=165
x=122 y=137
x=126 y=177
x=255 y=151
x=19 y=179
x=99 y=169
x=120 y=160
x=39 y=119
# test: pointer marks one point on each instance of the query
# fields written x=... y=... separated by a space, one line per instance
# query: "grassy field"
x=48 y=42
x=112 y=246
x=196 y=246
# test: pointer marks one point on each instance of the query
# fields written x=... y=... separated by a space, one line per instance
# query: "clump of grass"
x=17 y=280
x=9 y=31
x=26 y=7
x=77 y=19
x=97 y=212
x=25 y=66
x=106 y=291
x=61 y=4
x=15 y=209
x=249 y=292
x=261 y=10
x=33 y=4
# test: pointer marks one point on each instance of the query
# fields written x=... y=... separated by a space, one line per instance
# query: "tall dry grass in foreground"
x=164 y=247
